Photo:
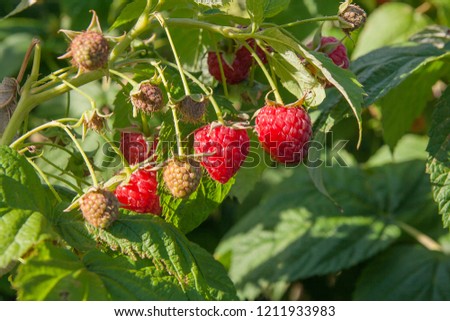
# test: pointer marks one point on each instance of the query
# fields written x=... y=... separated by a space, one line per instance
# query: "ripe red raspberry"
x=237 y=72
x=228 y=148
x=284 y=132
x=334 y=49
x=139 y=195
x=89 y=50
x=99 y=208
x=135 y=148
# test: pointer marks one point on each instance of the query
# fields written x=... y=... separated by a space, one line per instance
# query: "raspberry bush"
x=225 y=150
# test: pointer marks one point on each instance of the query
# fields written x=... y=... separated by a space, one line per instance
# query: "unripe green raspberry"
x=99 y=207
x=89 y=50
x=182 y=177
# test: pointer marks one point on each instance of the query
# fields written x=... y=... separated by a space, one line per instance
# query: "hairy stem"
x=161 y=20
x=45 y=178
x=172 y=107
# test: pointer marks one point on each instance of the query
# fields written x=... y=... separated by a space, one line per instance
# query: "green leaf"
x=255 y=9
x=399 y=110
x=22 y=226
x=258 y=10
x=406 y=273
x=250 y=172
x=274 y=7
x=192 y=56
x=147 y=237
x=297 y=233
x=57 y=274
x=344 y=81
x=389 y=24
x=296 y=79
x=16 y=167
x=384 y=69
x=434 y=34
x=22 y=205
x=439 y=162
x=187 y=214
x=23 y=4
x=131 y=12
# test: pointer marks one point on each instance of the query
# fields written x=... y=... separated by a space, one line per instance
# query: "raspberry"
x=284 y=132
x=139 y=195
x=99 y=208
x=354 y=15
x=228 y=148
x=147 y=98
x=193 y=110
x=135 y=148
x=89 y=50
x=334 y=49
x=237 y=72
x=182 y=177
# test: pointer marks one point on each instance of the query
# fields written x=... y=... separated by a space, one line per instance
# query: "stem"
x=272 y=83
x=83 y=154
x=34 y=42
x=172 y=107
x=121 y=75
x=91 y=100
x=45 y=178
x=62 y=180
x=126 y=166
x=222 y=72
x=420 y=237
x=72 y=137
x=28 y=102
x=187 y=91
x=22 y=107
x=38 y=129
x=177 y=131
x=145 y=127
x=63 y=171
x=300 y=22
x=185 y=22
x=141 y=25
x=40 y=85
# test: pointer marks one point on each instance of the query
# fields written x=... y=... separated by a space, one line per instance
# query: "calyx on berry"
x=193 y=107
x=88 y=49
x=146 y=97
x=352 y=15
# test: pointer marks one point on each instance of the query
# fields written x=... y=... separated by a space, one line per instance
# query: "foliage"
x=358 y=219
